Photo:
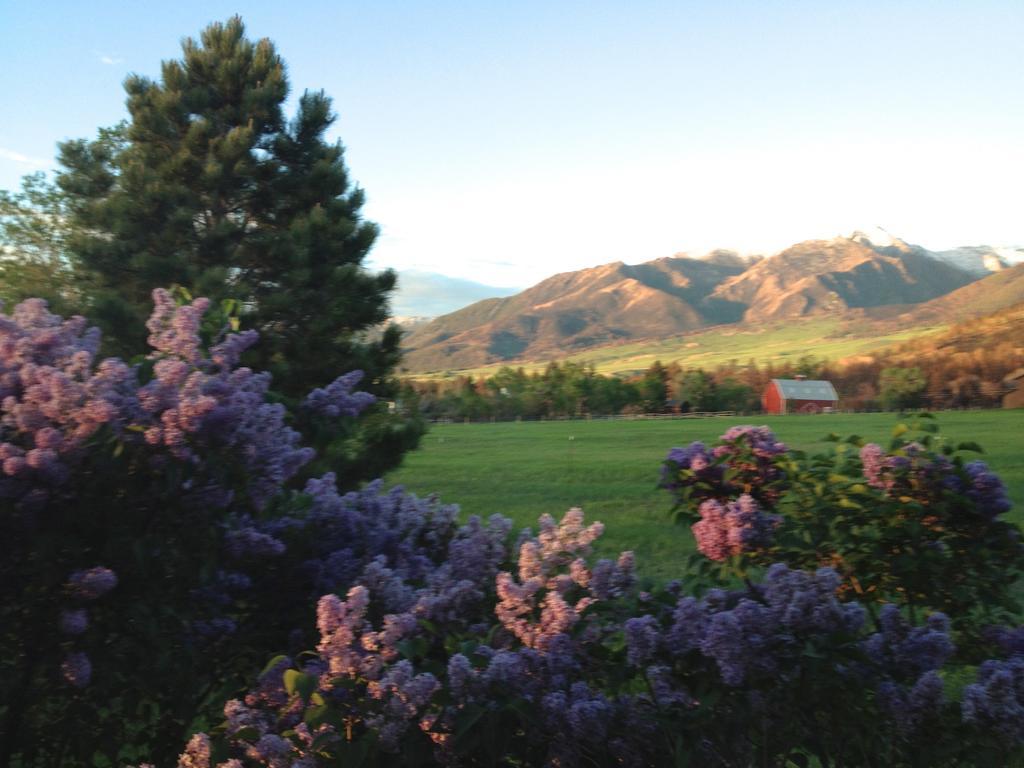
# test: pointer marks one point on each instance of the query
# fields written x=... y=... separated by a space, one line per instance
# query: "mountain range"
x=424 y=295
x=870 y=275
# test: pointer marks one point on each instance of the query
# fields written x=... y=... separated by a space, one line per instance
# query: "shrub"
x=145 y=510
x=916 y=524
x=160 y=546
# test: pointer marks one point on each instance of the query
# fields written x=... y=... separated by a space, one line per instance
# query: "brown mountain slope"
x=989 y=294
x=615 y=302
x=574 y=310
x=824 y=276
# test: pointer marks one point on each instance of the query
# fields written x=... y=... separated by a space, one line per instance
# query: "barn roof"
x=804 y=389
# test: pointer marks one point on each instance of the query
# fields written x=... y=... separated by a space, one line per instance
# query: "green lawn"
x=610 y=468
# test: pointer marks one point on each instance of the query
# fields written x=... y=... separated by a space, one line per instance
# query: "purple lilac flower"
x=695 y=457
x=476 y=548
x=92 y=583
x=337 y=398
x=666 y=692
x=643 y=636
x=807 y=602
x=909 y=708
x=270 y=690
x=761 y=439
x=689 y=623
x=996 y=700
x=228 y=352
x=77 y=669
x=74 y=622
x=271 y=750
x=460 y=675
x=174 y=330
x=986 y=490
x=904 y=649
x=759 y=638
x=1009 y=639
x=249 y=543
x=404 y=694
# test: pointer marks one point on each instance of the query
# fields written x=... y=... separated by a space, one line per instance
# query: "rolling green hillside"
x=830 y=338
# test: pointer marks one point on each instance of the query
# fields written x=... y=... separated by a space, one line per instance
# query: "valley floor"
x=610 y=468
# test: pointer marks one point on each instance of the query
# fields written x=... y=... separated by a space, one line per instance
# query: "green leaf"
x=969 y=445
x=273 y=663
x=315 y=715
x=299 y=682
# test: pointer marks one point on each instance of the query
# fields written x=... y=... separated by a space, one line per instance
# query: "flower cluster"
x=750 y=454
x=984 y=487
x=697 y=462
x=730 y=529
x=924 y=475
x=907 y=659
x=744 y=462
x=188 y=423
x=763 y=635
x=52 y=399
x=338 y=399
x=995 y=700
x=82 y=587
x=555 y=586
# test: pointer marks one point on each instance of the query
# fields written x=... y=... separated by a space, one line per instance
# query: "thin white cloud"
x=26 y=160
x=108 y=60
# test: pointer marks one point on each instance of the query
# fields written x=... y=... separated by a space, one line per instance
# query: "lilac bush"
x=166 y=542
x=781 y=667
x=915 y=524
x=163 y=472
x=747 y=461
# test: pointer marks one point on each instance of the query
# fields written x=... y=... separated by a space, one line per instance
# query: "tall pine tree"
x=213 y=189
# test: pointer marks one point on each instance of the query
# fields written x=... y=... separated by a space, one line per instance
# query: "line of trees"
x=954 y=370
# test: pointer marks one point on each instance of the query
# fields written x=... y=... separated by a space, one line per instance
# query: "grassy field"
x=828 y=338
x=610 y=468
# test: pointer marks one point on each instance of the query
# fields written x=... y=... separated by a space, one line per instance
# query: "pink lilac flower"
x=730 y=529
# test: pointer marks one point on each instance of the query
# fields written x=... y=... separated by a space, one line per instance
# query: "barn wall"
x=798 y=406
x=771 y=402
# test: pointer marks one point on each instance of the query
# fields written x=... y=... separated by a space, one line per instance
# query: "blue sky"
x=502 y=142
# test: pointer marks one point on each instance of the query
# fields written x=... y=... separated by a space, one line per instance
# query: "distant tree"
x=609 y=395
x=732 y=395
x=809 y=366
x=697 y=391
x=215 y=190
x=34 y=259
x=902 y=388
x=653 y=388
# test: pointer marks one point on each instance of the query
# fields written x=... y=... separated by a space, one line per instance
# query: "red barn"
x=798 y=396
